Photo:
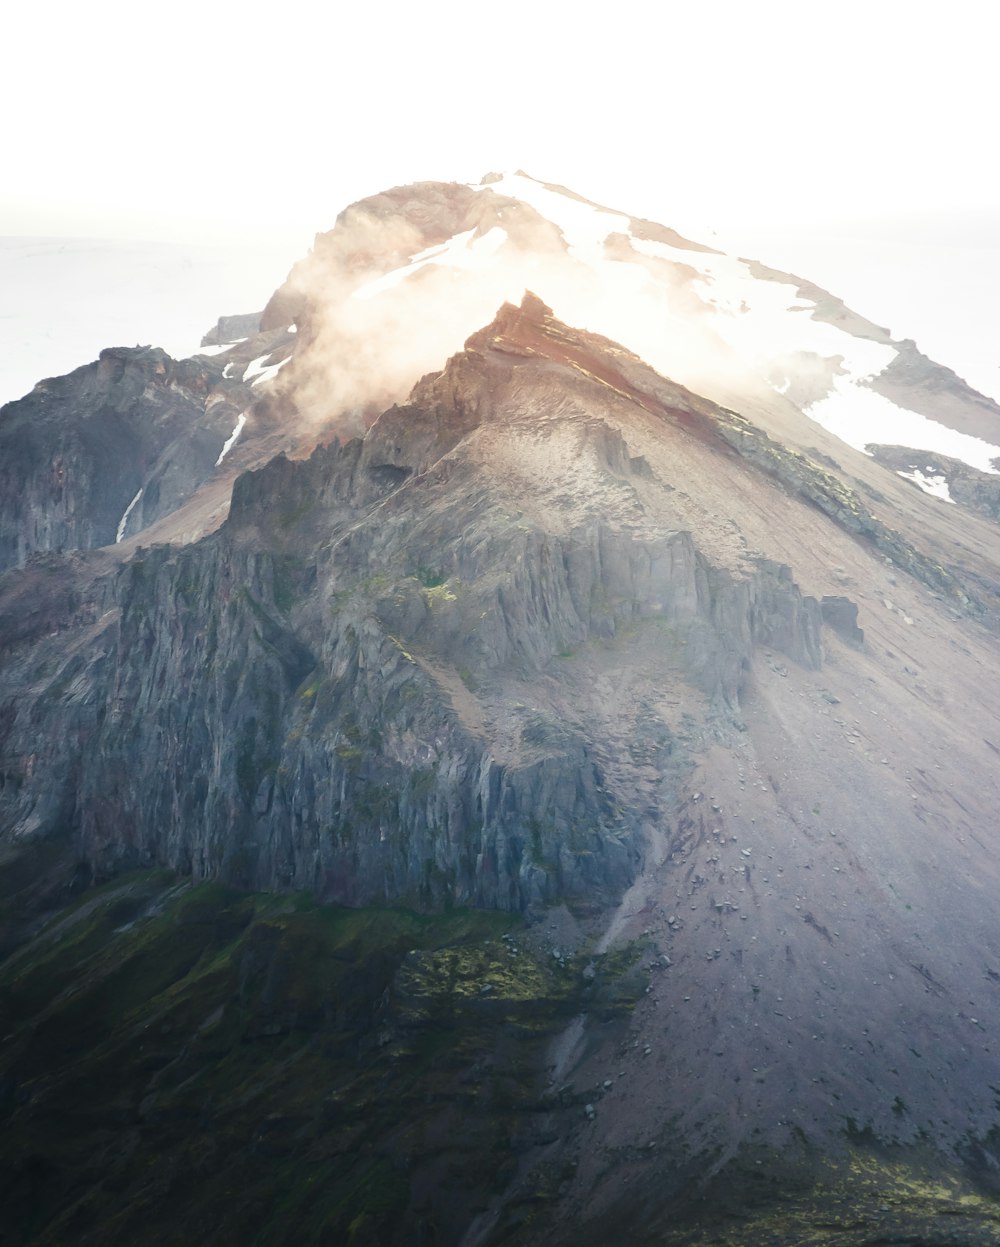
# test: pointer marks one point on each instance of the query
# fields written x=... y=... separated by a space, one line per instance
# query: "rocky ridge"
x=553 y=636
x=390 y=557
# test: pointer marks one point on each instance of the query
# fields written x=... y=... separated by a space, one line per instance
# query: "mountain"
x=488 y=757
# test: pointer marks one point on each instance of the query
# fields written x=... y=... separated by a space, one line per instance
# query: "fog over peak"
x=406 y=276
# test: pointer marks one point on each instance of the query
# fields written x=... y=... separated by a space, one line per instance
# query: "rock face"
x=979 y=491
x=926 y=387
x=320 y=695
x=77 y=450
x=554 y=636
x=229 y=329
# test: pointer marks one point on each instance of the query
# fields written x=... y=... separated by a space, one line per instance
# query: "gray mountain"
x=645 y=725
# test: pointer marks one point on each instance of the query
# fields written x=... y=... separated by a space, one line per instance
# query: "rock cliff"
x=320 y=695
x=101 y=453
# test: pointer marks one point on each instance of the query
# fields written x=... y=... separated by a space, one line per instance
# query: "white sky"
x=209 y=116
x=202 y=121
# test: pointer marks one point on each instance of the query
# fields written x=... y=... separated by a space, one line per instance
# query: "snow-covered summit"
x=418 y=269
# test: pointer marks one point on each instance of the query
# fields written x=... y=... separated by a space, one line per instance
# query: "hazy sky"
x=852 y=142
x=209 y=117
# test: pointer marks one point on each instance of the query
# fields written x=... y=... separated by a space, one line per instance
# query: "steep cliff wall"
x=75 y=452
x=319 y=696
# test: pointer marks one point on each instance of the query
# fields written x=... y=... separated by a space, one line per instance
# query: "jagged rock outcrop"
x=935 y=391
x=316 y=696
x=229 y=329
x=842 y=615
x=77 y=450
x=979 y=491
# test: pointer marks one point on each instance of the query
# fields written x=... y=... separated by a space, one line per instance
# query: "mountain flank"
x=532 y=800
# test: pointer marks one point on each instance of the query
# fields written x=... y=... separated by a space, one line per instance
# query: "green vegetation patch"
x=870 y=1198
x=187 y=1063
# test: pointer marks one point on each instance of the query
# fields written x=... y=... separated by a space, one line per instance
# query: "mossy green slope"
x=191 y=1064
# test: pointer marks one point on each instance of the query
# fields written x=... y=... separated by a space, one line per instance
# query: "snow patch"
x=752 y=315
x=936 y=486
x=860 y=417
x=256 y=366
x=770 y=333
x=677 y=321
x=417 y=262
x=227 y=370
x=491 y=242
x=582 y=224
x=257 y=371
x=120 y=534
x=231 y=440
x=463 y=250
x=268 y=374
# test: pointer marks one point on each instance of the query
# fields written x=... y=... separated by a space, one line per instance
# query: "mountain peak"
x=604 y=622
x=531 y=310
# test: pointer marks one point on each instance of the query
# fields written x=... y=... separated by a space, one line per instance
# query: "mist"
x=396 y=289
x=384 y=309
